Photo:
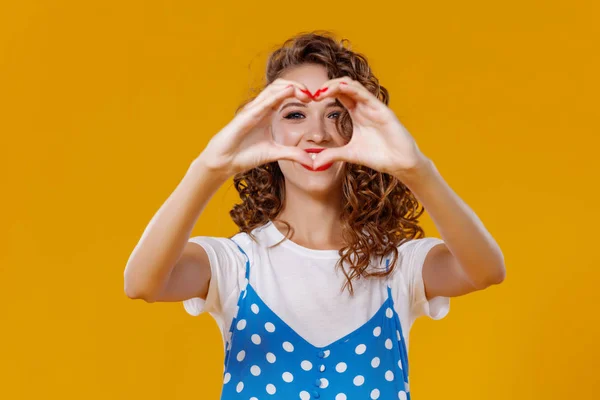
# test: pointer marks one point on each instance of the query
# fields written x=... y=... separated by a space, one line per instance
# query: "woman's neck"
x=315 y=222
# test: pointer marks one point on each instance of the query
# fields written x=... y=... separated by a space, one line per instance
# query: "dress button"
x=321 y=354
x=322 y=368
x=316 y=395
x=317 y=382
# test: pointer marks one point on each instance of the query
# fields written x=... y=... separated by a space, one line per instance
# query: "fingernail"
x=320 y=91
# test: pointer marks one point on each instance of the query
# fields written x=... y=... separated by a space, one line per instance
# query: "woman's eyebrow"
x=334 y=103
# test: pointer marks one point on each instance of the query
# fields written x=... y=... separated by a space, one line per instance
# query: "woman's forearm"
x=463 y=232
x=167 y=233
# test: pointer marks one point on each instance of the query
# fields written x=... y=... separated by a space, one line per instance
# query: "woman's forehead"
x=311 y=75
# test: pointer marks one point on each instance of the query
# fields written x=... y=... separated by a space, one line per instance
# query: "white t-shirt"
x=302 y=286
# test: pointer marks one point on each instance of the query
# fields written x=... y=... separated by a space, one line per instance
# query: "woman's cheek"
x=288 y=135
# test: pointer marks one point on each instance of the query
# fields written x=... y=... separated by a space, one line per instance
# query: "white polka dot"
x=406 y=387
x=400 y=363
x=388 y=343
x=254 y=308
x=402 y=395
x=304 y=395
x=244 y=296
x=377 y=331
x=287 y=346
x=375 y=362
x=287 y=377
x=253 y=398
x=359 y=380
x=239 y=387
x=341 y=367
x=241 y=324
x=375 y=394
x=271 y=388
x=324 y=383
x=326 y=353
x=270 y=327
x=322 y=368
x=255 y=339
x=255 y=370
x=241 y=355
x=360 y=349
x=389 y=375
x=398 y=334
x=340 y=396
x=227 y=378
x=306 y=365
x=271 y=357
x=389 y=313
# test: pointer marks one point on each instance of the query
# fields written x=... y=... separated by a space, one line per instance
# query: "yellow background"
x=103 y=105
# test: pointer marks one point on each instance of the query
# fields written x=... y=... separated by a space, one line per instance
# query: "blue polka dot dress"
x=266 y=359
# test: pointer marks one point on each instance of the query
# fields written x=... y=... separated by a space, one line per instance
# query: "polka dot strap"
x=389 y=288
x=247 y=259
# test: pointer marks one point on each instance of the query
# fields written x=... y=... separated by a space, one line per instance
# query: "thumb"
x=291 y=153
x=330 y=155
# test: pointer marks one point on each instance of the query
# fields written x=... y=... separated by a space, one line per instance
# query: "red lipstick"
x=321 y=168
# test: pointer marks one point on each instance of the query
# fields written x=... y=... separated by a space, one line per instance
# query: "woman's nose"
x=318 y=132
x=317 y=135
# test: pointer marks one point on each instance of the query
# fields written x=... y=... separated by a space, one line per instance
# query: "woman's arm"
x=164 y=246
x=470 y=259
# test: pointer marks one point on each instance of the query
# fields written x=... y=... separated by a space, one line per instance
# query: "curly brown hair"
x=379 y=212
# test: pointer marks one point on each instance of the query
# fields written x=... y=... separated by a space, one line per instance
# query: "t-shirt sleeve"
x=227 y=267
x=413 y=255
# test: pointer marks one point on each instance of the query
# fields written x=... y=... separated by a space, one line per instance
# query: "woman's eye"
x=295 y=114
x=290 y=116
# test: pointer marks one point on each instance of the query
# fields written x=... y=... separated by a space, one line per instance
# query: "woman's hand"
x=379 y=141
x=247 y=142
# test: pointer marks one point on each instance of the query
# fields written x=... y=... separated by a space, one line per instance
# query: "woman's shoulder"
x=411 y=254
x=239 y=239
x=412 y=244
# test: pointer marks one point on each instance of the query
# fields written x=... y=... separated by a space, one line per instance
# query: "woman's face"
x=309 y=125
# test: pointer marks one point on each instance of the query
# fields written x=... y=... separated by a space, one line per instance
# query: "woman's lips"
x=321 y=168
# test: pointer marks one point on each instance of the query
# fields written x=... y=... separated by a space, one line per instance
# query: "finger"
x=272 y=99
x=266 y=102
x=326 y=92
x=300 y=91
x=277 y=94
x=281 y=152
x=346 y=87
x=331 y=155
x=348 y=103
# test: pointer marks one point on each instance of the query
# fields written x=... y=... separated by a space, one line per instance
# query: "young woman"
x=324 y=310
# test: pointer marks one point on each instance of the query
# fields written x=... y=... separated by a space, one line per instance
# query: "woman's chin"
x=311 y=180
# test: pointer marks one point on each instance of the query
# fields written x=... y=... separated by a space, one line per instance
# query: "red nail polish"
x=320 y=91
x=306 y=92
